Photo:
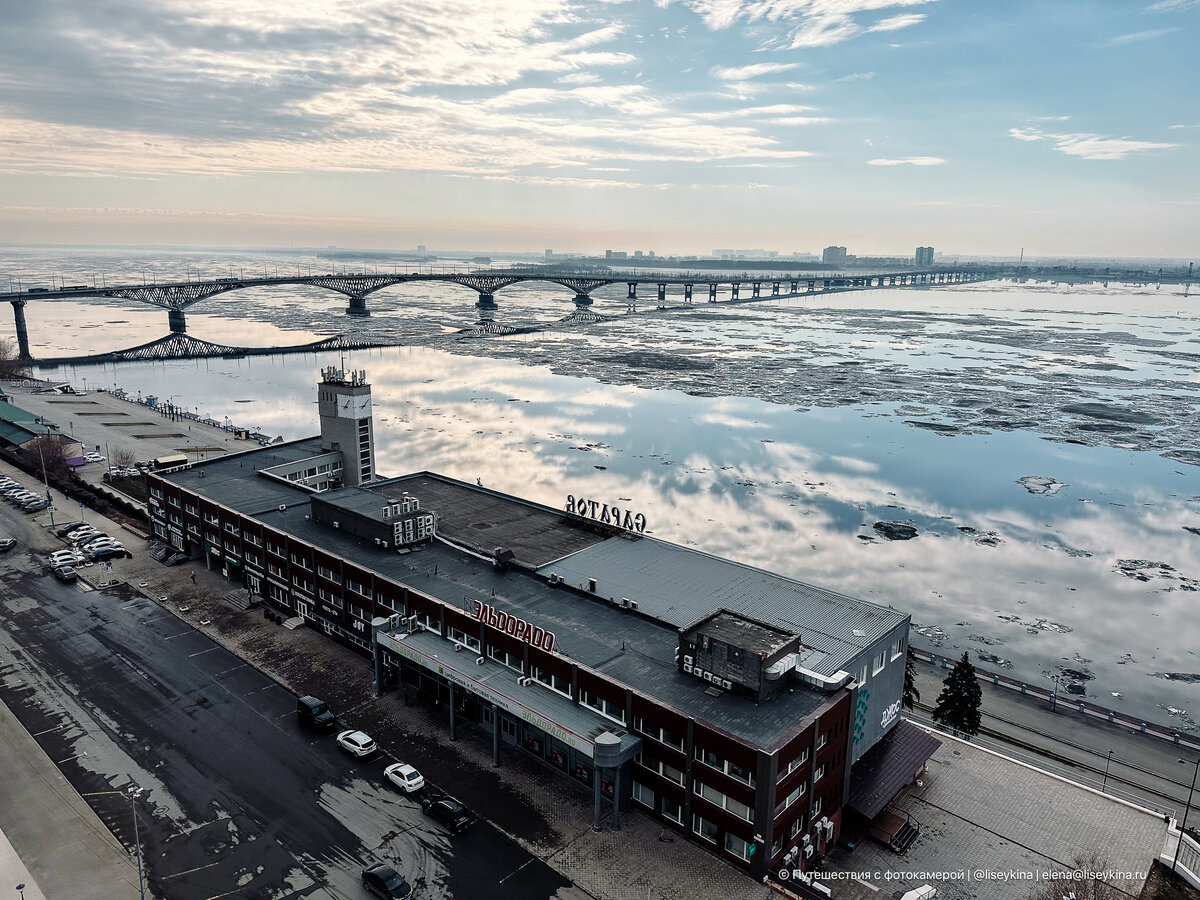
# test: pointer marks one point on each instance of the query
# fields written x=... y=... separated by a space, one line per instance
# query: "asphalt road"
x=233 y=797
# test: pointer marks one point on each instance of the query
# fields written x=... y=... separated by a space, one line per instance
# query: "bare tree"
x=123 y=458
x=46 y=451
x=10 y=365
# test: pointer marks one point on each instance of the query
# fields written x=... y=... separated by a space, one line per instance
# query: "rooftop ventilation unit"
x=479 y=660
x=336 y=524
x=282 y=507
x=633 y=604
x=591 y=585
x=554 y=578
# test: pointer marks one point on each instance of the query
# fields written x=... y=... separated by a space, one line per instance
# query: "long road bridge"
x=176 y=297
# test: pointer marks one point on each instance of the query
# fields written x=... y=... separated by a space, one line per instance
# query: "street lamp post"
x=1186 y=810
x=137 y=841
x=1107 y=762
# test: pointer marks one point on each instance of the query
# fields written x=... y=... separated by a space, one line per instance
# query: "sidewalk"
x=50 y=840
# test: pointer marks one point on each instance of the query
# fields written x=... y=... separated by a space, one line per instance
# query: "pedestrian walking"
x=193 y=577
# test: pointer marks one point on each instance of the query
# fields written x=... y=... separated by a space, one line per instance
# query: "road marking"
x=227 y=671
x=181 y=634
x=155 y=619
x=190 y=871
x=48 y=730
x=198 y=652
x=514 y=872
x=865 y=884
x=260 y=690
x=69 y=758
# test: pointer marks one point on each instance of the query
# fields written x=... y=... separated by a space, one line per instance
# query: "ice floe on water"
x=1040 y=484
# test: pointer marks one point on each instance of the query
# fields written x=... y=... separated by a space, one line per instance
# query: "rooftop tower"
x=344 y=404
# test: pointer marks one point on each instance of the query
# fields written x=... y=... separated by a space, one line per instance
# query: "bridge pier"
x=812 y=286
x=755 y=287
x=177 y=321
x=582 y=301
x=687 y=293
x=662 y=295
x=733 y=288
x=632 y=295
x=22 y=330
x=774 y=288
x=357 y=307
x=712 y=293
x=486 y=303
x=795 y=286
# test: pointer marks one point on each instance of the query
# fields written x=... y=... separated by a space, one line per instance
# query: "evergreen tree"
x=911 y=694
x=958 y=704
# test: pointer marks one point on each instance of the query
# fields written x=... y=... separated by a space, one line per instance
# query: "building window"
x=670 y=773
x=604 y=707
x=737 y=846
x=461 y=637
x=791 y=798
x=822 y=740
x=555 y=682
x=672 y=810
x=300 y=561
x=191 y=509
x=794 y=764
x=643 y=794
x=816 y=810
x=704 y=828
x=715 y=797
x=252 y=539
x=723 y=765
x=819 y=773
x=898 y=647
x=862 y=675
x=328 y=574
x=879 y=662
x=431 y=623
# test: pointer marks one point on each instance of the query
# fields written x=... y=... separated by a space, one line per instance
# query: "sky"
x=1061 y=127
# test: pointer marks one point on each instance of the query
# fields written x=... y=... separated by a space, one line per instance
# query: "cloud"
x=857 y=76
x=806 y=23
x=744 y=73
x=1136 y=36
x=1090 y=146
x=895 y=23
x=908 y=161
x=1048 y=118
x=1171 y=5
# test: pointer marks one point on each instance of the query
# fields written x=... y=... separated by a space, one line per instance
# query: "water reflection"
x=776 y=435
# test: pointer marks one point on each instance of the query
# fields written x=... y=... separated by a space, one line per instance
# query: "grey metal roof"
x=678 y=585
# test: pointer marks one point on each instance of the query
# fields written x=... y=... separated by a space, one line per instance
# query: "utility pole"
x=136 y=834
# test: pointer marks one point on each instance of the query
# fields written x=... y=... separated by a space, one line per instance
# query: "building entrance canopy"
x=576 y=726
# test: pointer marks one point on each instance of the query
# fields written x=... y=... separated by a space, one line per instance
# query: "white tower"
x=344 y=404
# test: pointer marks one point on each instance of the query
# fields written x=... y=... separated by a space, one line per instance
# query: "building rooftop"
x=674 y=587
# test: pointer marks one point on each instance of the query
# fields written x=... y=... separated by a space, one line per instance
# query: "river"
x=1016 y=465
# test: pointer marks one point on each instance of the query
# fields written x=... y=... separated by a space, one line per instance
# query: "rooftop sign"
x=603 y=512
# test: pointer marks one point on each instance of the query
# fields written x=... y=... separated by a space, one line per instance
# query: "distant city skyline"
x=1060 y=127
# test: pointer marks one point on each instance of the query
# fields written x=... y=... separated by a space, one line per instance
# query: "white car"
x=405 y=777
x=102 y=544
x=65 y=558
x=356 y=742
x=82 y=536
x=93 y=456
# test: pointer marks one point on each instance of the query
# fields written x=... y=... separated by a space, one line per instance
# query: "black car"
x=314 y=712
x=7 y=544
x=64 y=530
x=109 y=553
x=384 y=881
x=448 y=811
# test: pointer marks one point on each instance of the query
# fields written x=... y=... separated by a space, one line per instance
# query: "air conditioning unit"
x=393 y=622
x=807 y=840
x=457 y=646
x=479 y=660
x=726 y=684
x=282 y=507
x=687 y=660
x=687 y=668
x=633 y=604
x=335 y=524
x=829 y=831
x=625 y=601
x=554 y=578
x=791 y=854
x=707 y=676
x=808 y=851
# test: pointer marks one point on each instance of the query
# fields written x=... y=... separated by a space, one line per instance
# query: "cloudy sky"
x=978 y=126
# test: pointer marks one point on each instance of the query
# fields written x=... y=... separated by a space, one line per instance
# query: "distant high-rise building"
x=608 y=254
x=651 y=254
x=637 y=254
x=924 y=256
x=421 y=250
x=549 y=254
x=834 y=256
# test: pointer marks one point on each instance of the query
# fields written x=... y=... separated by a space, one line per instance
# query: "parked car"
x=7 y=544
x=64 y=530
x=64 y=573
x=34 y=505
x=67 y=559
x=81 y=535
x=448 y=811
x=99 y=541
x=93 y=456
x=405 y=777
x=314 y=712
x=109 y=553
x=356 y=742
x=384 y=881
